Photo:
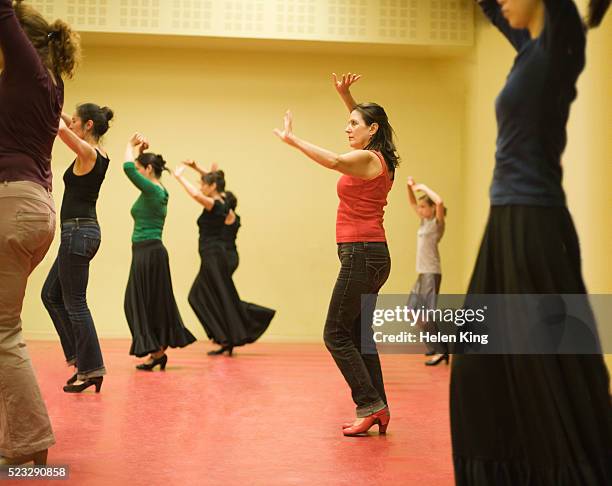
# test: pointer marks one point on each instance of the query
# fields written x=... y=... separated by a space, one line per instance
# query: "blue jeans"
x=364 y=269
x=64 y=296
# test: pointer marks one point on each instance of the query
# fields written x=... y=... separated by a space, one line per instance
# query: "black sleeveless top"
x=211 y=224
x=230 y=232
x=81 y=192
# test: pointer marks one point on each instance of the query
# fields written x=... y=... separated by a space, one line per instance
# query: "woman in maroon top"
x=367 y=176
x=35 y=57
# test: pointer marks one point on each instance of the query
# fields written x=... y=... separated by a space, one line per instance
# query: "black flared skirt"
x=233 y=260
x=530 y=420
x=150 y=308
x=227 y=320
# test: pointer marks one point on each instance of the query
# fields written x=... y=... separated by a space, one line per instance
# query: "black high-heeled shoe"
x=95 y=381
x=72 y=379
x=221 y=350
x=161 y=361
x=437 y=361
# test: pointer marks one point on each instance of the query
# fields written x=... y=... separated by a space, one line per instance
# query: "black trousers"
x=365 y=267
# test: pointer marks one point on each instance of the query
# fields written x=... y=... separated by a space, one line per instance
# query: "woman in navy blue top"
x=532 y=419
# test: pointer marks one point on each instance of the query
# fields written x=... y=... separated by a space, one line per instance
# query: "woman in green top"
x=150 y=308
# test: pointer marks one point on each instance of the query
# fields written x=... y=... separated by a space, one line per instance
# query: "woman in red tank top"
x=367 y=176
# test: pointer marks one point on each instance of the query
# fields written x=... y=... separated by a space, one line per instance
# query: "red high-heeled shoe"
x=380 y=418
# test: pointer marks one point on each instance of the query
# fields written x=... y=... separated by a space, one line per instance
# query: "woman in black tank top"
x=64 y=291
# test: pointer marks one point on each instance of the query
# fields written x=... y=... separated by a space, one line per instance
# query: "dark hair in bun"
x=100 y=116
x=216 y=177
x=154 y=160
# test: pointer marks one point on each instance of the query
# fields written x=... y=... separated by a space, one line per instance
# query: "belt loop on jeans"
x=78 y=221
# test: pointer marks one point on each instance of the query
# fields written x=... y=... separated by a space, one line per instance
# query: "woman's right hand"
x=140 y=142
x=178 y=172
x=343 y=85
x=136 y=146
x=190 y=163
x=410 y=182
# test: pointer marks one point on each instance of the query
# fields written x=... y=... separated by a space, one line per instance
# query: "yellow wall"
x=222 y=106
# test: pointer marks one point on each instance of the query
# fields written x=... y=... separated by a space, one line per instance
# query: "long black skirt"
x=233 y=260
x=227 y=320
x=150 y=308
x=530 y=420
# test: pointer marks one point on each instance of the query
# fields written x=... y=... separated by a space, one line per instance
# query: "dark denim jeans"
x=364 y=269
x=64 y=296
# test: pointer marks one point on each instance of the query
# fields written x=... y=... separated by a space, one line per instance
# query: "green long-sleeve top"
x=150 y=209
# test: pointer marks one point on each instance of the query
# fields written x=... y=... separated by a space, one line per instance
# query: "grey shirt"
x=428 y=257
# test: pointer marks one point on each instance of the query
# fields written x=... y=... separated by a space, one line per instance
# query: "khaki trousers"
x=27 y=227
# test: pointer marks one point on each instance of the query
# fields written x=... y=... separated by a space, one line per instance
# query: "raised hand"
x=136 y=146
x=410 y=182
x=138 y=140
x=178 y=171
x=190 y=163
x=344 y=83
x=286 y=133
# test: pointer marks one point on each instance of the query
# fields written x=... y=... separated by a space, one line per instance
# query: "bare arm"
x=358 y=163
x=86 y=154
x=135 y=146
x=207 y=202
x=343 y=86
x=230 y=218
x=67 y=118
x=200 y=170
x=435 y=198
x=411 y=197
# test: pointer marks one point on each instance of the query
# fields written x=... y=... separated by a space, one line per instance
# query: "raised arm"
x=435 y=198
x=493 y=11
x=137 y=145
x=21 y=61
x=358 y=163
x=564 y=36
x=67 y=118
x=86 y=154
x=411 y=197
x=343 y=87
x=196 y=195
x=200 y=170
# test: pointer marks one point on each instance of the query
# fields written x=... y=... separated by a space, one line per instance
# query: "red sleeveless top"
x=362 y=207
